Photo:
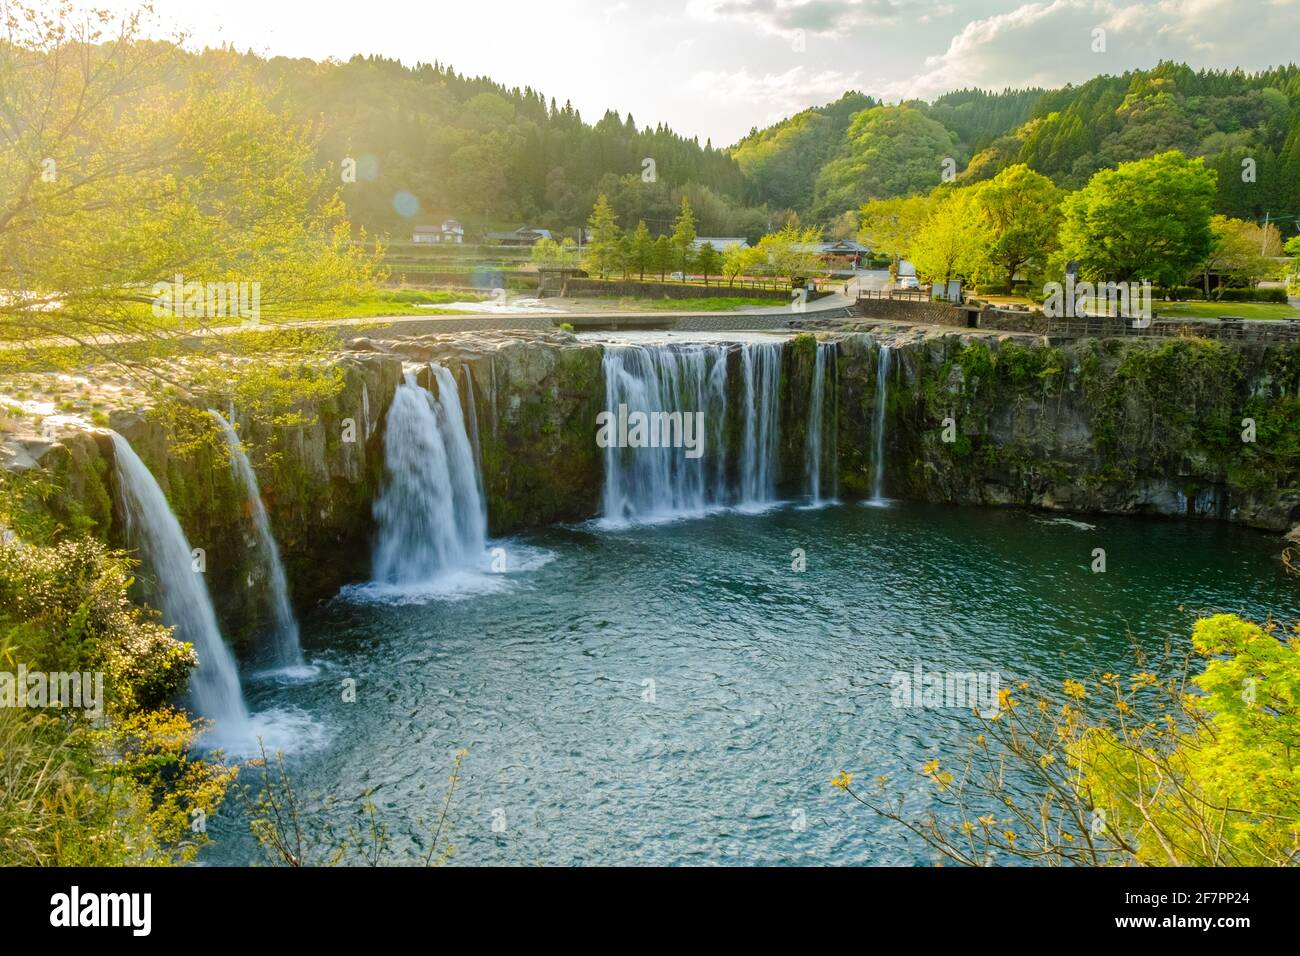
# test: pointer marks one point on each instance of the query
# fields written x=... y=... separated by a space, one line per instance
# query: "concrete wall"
x=1261 y=332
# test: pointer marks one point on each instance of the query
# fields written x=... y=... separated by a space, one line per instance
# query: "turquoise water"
x=766 y=681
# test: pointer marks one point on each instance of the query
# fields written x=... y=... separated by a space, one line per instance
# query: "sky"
x=716 y=68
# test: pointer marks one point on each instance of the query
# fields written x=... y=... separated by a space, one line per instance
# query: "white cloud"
x=818 y=17
x=1049 y=44
x=780 y=94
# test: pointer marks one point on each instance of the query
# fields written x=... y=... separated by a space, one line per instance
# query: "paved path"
x=757 y=318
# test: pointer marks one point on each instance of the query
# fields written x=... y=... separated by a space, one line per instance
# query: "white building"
x=449 y=231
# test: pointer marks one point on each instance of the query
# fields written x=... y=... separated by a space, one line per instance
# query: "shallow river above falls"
x=766 y=682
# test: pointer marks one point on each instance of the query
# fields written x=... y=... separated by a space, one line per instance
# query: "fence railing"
x=904 y=295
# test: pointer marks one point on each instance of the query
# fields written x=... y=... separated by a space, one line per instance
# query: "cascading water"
x=431 y=516
x=644 y=483
x=817 y=449
x=492 y=395
x=657 y=483
x=214 y=683
x=762 y=414
x=367 y=428
x=471 y=416
x=878 y=426
x=285 y=648
x=471 y=511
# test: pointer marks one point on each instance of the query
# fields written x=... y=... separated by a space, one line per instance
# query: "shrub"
x=1149 y=769
x=1179 y=293
x=1252 y=295
x=81 y=791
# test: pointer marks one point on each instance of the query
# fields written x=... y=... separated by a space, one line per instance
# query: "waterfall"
x=430 y=514
x=214 y=684
x=656 y=483
x=365 y=412
x=813 y=450
x=878 y=426
x=472 y=418
x=286 y=651
x=471 y=512
x=834 y=450
x=758 y=456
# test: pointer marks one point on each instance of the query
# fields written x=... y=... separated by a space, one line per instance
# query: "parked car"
x=907 y=282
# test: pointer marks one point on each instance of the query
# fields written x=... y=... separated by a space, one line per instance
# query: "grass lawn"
x=1214 y=310
x=722 y=303
x=385 y=302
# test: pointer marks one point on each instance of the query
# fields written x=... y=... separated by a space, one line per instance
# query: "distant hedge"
x=1185 y=293
x=1253 y=295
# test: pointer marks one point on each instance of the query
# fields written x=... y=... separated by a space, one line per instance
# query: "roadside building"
x=449 y=231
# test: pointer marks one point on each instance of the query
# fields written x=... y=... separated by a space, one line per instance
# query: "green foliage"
x=1020 y=215
x=708 y=261
x=548 y=253
x=889 y=226
x=1037 y=369
x=1148 y=219
x=118 y=791
x=1277 y=296
x=1165 y=398
x=950 y=243
x=887 y=151
x=684 y=238
x=1148 y=770
x=1228 y=758
x=783 y=161
x=642 y=256
x=131 y=170
x=790 y=253
x=602 y=252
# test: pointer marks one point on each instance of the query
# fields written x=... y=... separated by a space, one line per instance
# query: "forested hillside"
x=430 y=144
x=1067 y=134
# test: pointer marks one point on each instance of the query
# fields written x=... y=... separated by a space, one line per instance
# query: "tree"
x=736 y=261
x=643 y=247
x=602 y=250
x=684 y=237
x=1153 y=769
x=844 y=226
x=791 y=253
x=119 y=171
x=887 y=151
x=1238 y=252
x=624 y=248
x=551 y=254
x=949 y=244
x=1148 y=219
x=888 y=226
x=662 y=259
x=708 y=261
x=1021 y=215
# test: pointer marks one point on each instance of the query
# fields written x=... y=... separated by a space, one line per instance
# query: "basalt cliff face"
x=1178 y=427
x=1169 y=427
